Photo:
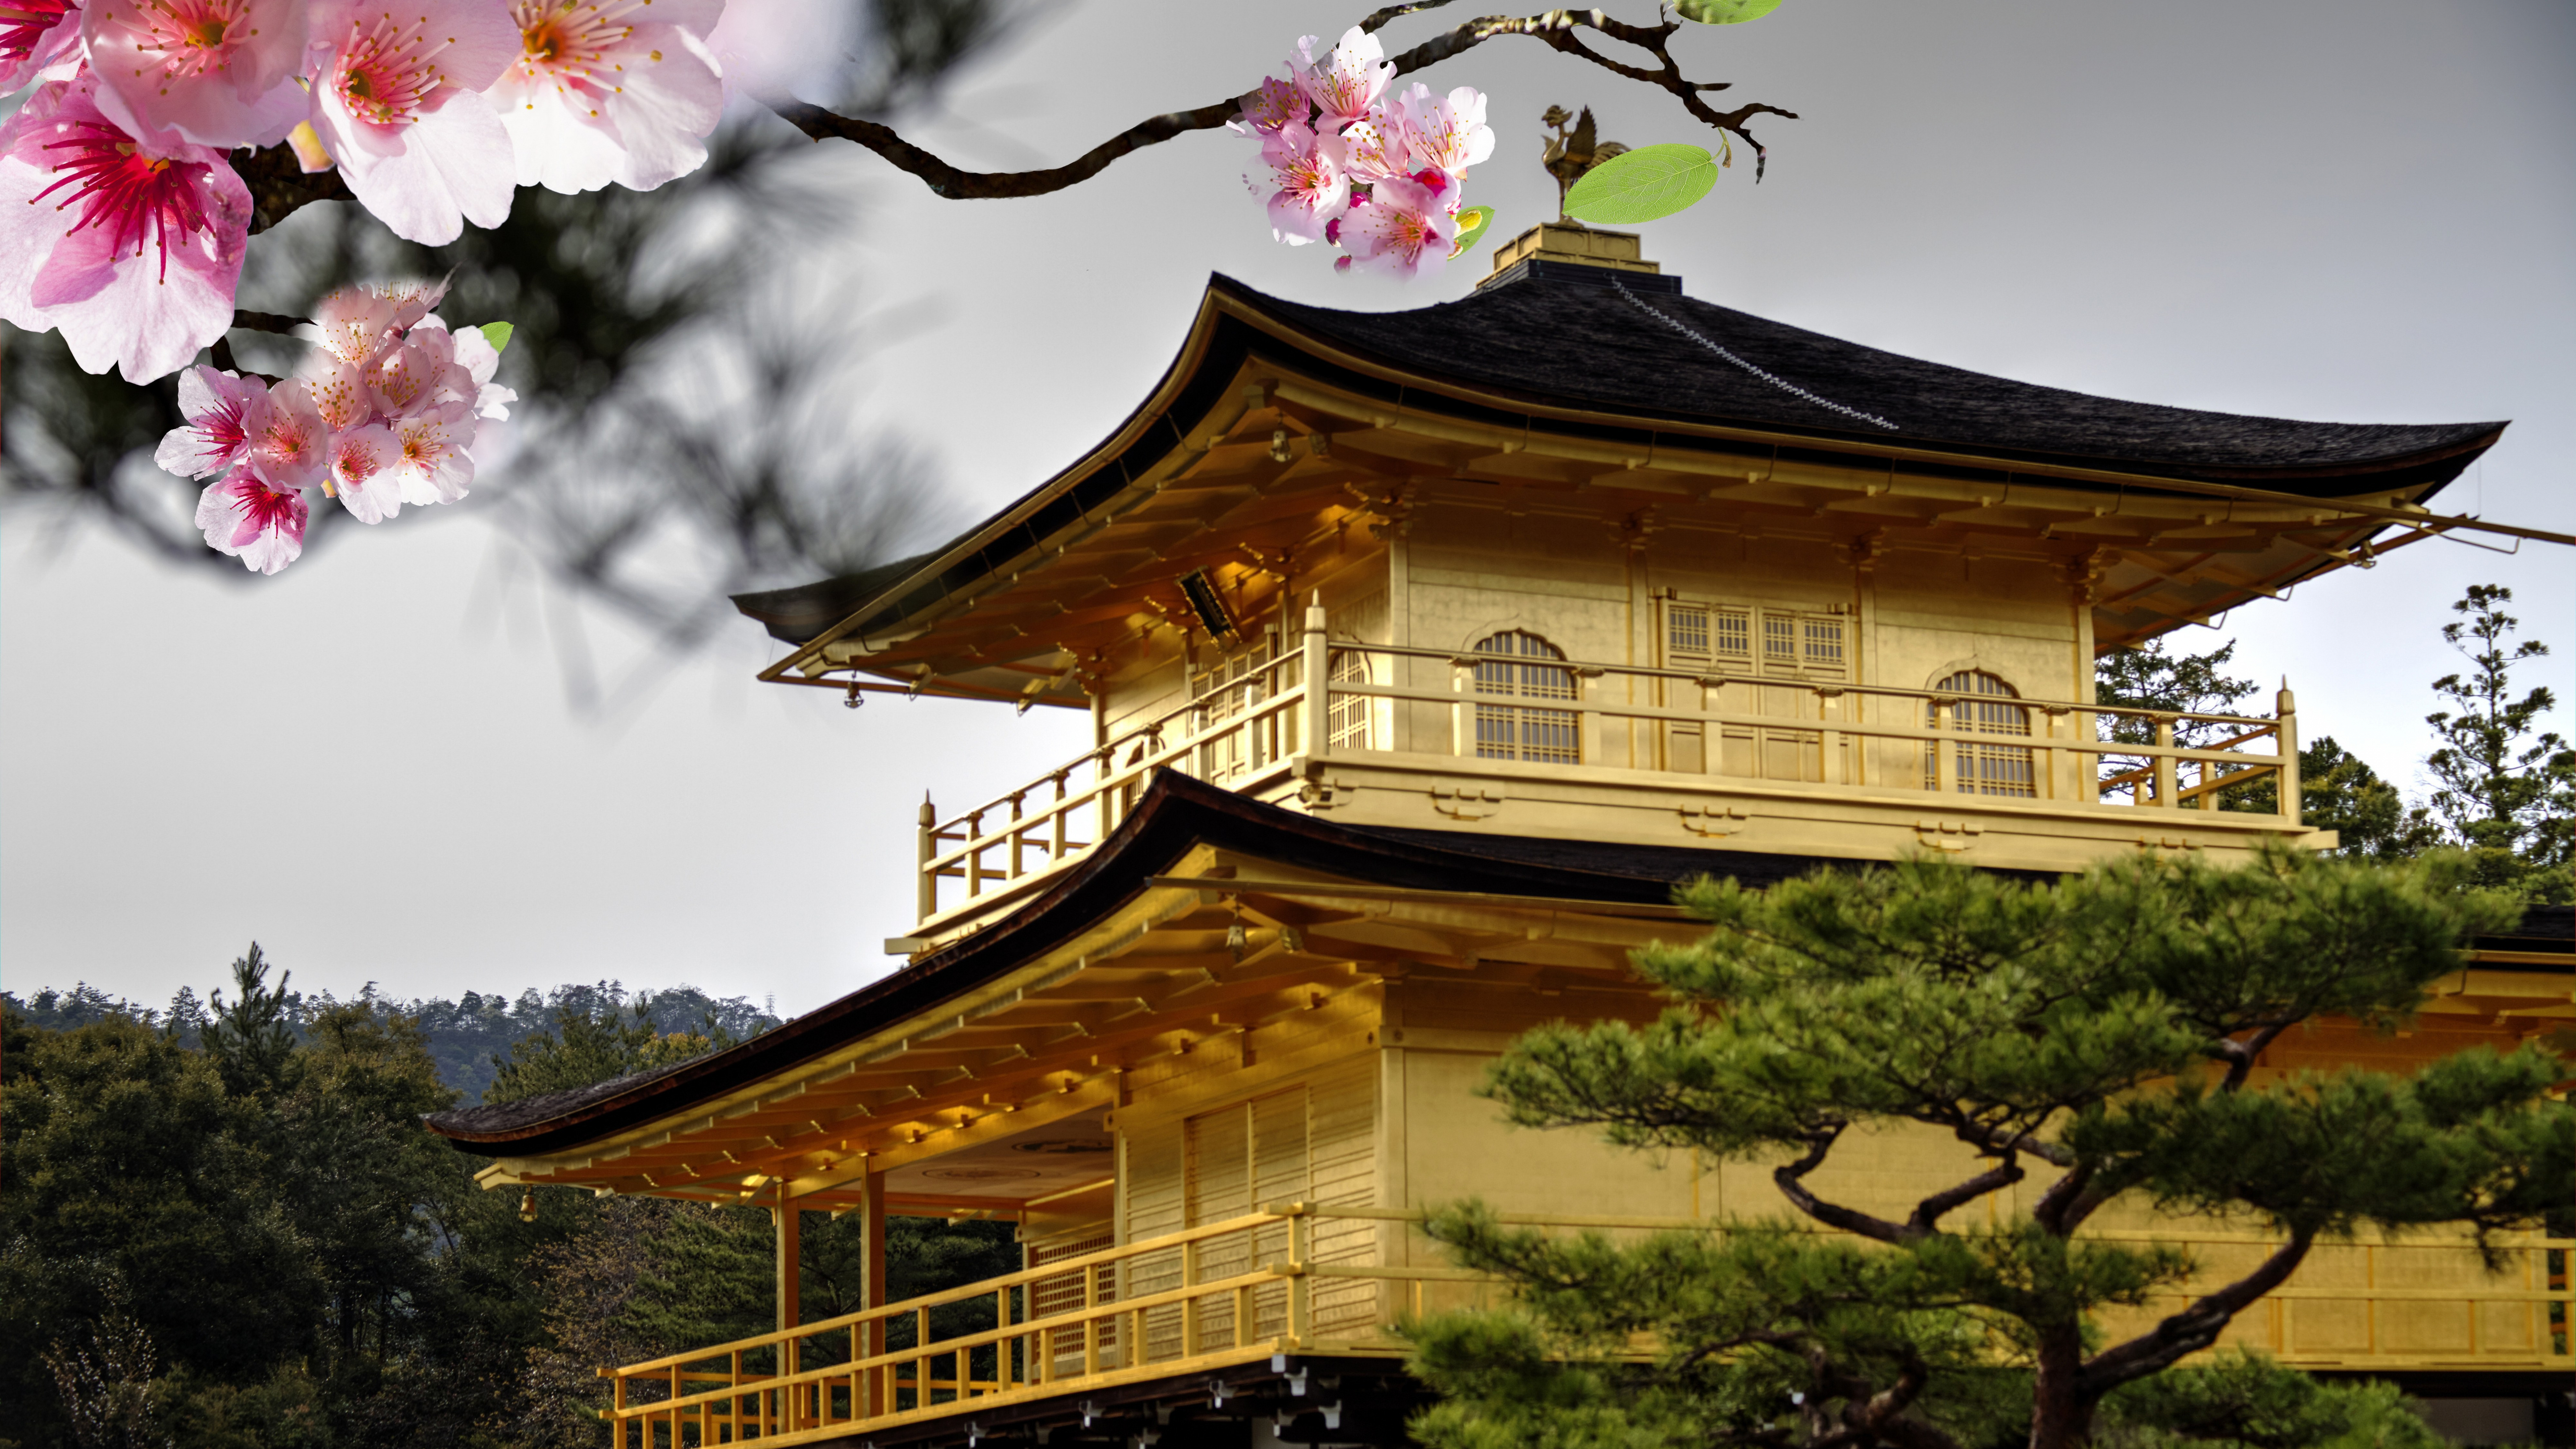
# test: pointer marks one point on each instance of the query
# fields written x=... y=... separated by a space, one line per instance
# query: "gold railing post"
x=1091 y=1320
x=1462 y=715
x=929 y=889
x=975 y=871
x=1712 y=735
x=1945 y=751
x=1301 y=1305
x=1016 y=837
x=1316 y=727
x=2286 y=740
x=2163 y=768
x=1830 y=766
x=1587 y=718
x=1190 y=1305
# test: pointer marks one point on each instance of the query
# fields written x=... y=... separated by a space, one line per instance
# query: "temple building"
x=1425 y=652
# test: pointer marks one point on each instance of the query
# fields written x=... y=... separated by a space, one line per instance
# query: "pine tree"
x=2507 y=789
x=253 y=1039
x=2095 y=1039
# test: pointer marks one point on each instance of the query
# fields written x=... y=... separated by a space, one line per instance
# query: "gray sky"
x=2345 y=210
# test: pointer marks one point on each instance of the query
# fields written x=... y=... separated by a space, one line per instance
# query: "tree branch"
x=1928 y=1213
x=1557 y=29
x=280 y=186
x=1788 y=1176
x=2194 y=1328
x=2240 y=1055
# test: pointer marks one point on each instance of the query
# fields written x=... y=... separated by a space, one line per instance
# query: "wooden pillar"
x=789 y=1224
x=873 y=1288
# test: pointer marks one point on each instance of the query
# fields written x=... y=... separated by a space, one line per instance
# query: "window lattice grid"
x=1985 y=705
x=1347 y=718
x=1228 y=688
x=1518 y=732
x=1733 y=634
x=1779 y=638
x=1824 y=641
x=1686 y=631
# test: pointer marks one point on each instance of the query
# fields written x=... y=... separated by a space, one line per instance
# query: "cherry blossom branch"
x=1559 y=30
x=280 y=186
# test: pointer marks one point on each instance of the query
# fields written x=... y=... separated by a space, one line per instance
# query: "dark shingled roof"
x=1559 y=335
x=1586 y=342
x=1175 y=814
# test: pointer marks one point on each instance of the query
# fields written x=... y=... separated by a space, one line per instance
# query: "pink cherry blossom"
x=397 y=100
x=1449 y=131
x=136 y=256
x=597 y=93
x=1381 y=145
x=777 y=51
x=412 y=378
x=244 y=517
x=290 y=446
x=224 y=410
x=1404 y=229
x=363 y=462
x=433 y=466
x=481 y=360
x=339 y=391
x=412 y=300
x=218 y=72
x=1279 y=101
x=33 y=35
x=462 y=365
x=1346 y=83
x=1309 y=182
x=352 y=324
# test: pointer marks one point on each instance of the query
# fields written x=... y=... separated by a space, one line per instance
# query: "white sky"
x=2338 y=209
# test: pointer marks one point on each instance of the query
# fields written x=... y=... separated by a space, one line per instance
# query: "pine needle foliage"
x=2088 y=1042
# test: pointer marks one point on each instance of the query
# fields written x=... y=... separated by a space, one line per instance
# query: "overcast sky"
x=2333 y=209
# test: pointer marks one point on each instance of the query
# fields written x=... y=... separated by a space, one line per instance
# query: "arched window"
x=1983 y=705
x=1521 y=732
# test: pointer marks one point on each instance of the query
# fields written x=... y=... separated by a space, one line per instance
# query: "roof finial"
x=1575 y=151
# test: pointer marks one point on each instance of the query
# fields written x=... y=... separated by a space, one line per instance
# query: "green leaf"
x=1724 y=12
x=1471 y=227
x=1642 y=185
x=498 y=334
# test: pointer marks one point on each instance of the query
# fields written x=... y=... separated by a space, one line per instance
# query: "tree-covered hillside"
x=464 y=1037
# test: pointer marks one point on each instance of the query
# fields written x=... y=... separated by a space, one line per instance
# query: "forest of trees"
x=223 y=1226
x=466 y=1038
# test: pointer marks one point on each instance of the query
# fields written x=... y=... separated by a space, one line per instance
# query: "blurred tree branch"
x=624 y=495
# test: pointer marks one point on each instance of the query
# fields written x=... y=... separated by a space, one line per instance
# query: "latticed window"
x=1347 y=719
x=1984 y=705
x=1753 y=644
x=1522 y=732
x=1229 y=688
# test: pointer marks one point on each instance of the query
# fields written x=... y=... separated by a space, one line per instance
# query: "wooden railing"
x=1237 y=732
x=1209 y=1297
x=1145 y=1309
x=1246 y=732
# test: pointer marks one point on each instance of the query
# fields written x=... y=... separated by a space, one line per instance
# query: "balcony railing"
x=1321 y=703
x=1306 y=1279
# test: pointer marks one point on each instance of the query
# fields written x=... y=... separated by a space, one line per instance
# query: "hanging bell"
x=528 y=1206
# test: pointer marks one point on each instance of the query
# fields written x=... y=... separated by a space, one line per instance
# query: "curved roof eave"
x=1234 y=322
x=1175 y=814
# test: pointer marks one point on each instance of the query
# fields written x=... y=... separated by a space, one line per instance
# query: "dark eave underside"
x=1176 y=814
x=1555 y=345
